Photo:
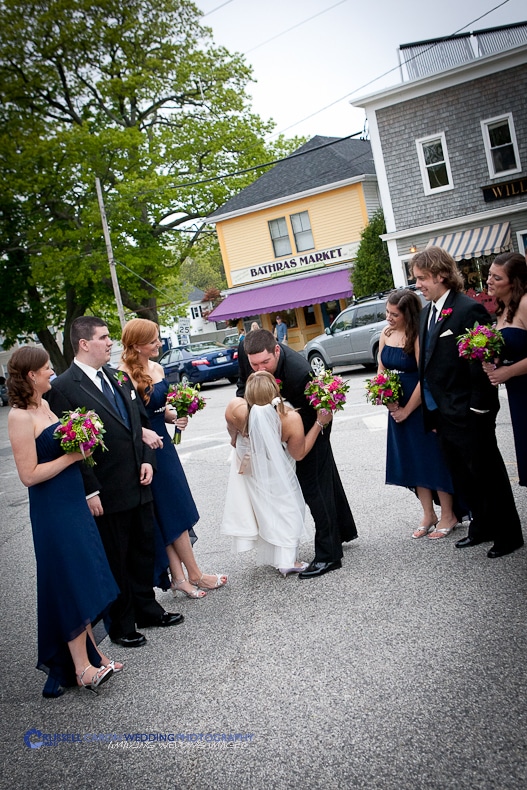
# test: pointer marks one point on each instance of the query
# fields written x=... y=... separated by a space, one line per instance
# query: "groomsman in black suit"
x=461 y=404
x=317 y=473
x=118 y=487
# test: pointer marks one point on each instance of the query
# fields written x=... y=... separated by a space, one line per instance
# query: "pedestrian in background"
x=280 y=330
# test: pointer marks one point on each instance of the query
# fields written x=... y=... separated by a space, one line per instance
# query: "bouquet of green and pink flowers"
x=384 y=388
x=185 y=400
x=481 y=342
x=79 y=431
x=327 y=392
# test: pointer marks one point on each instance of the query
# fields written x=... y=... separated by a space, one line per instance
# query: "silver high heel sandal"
x=194 y=594
x=217 y=584
x=115 y=666
x=99 y=677
x=294 y=569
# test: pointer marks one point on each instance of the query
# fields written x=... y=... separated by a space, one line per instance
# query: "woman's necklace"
x=44 y=410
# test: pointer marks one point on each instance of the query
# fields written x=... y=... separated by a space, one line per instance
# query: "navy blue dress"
x=175 y=509
x=515 y=350
x=75 y=585
x=413 y=457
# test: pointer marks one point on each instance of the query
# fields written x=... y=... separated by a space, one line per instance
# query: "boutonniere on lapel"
x=121 y=378
x=444 y=314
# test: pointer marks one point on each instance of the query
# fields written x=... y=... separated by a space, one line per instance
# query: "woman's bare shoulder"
x=237 y=407
x=19 y=416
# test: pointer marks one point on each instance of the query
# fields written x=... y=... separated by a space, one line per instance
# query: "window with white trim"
x=522 y=241
x=280 y=237
x=501 y=147
x=302 y=231
x=196 y=312
x=434 y=163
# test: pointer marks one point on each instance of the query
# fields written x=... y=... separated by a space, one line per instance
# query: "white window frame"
x=280 y=253
x=521 y=237
x=488 y=153
x=424 y=169
x=302 y=233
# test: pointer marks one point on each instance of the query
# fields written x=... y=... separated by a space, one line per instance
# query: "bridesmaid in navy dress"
x=507 y=282
x=413 y=457
x=74 y=583
x=174 y=505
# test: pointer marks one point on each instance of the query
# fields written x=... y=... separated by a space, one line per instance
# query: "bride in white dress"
x=264 y=506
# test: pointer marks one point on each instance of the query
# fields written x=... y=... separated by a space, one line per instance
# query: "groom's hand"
x=146 y=475
x=95 y=505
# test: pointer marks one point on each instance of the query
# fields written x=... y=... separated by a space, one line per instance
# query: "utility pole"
x=109 y=251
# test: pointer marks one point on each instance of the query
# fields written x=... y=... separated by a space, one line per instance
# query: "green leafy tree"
x=203 y=268
x=135 y=94
x=372 y=271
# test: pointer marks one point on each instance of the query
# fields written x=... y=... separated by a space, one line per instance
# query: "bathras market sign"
x=299 y=263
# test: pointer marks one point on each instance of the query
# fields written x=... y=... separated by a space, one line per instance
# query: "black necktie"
x=114 y=399
x=432 y=318
x=107 y=391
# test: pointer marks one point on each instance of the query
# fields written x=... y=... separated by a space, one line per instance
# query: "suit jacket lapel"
x=95 y=393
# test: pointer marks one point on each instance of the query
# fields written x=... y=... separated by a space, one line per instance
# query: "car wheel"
x=232 y=379
x=318 y=366
x=184 y=379
x=375 y=364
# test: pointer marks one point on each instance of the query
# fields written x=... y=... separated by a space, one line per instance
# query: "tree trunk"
x=58 y=363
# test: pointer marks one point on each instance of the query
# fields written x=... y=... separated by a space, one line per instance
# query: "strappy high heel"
x=194 y=594
x=218 y=583
x=99 y=677
x=295 y=569
x=116 y=666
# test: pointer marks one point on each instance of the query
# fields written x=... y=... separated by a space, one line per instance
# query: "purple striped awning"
x=488 y=240
x=293 y=292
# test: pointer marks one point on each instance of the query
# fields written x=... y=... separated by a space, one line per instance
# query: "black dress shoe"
x=134 y=639
x=464 y=543
x=319 y=569
x=166 y=619
x=494 y=553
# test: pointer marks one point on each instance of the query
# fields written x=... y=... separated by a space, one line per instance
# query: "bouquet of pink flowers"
x=384 y=388
x=481 y=342
x=327 y=392
x=186 y=401
x=80 y=431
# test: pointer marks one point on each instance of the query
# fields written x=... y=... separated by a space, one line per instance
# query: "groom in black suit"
x=461 y=404
x=118 y=487
x=317 y=473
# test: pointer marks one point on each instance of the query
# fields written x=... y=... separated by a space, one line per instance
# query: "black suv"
x=353 y=337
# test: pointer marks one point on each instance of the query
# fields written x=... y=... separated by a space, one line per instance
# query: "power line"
x=217 y=8
x=266 y=164
x=299 y=24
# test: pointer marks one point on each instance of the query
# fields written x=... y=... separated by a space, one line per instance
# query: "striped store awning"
x=488 y=240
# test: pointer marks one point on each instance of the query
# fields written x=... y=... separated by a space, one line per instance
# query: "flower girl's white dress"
x=264 y=506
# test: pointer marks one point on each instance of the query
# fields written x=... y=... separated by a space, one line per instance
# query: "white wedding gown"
x=264 y=506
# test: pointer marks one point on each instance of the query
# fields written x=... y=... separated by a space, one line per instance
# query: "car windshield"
x=204 y=348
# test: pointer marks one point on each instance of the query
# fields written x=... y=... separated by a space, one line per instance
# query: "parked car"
x=353 y=337
x=199 y=363
x=231 y=341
